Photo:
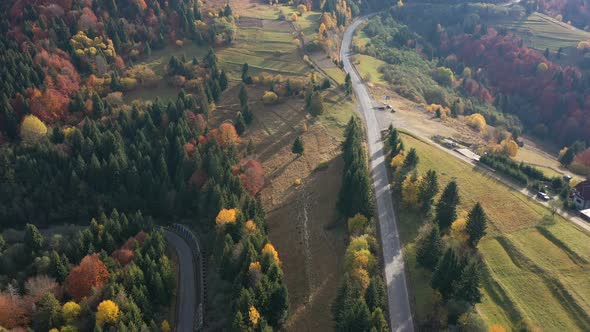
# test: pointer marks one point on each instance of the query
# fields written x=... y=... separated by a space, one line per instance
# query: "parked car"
x=541 y=195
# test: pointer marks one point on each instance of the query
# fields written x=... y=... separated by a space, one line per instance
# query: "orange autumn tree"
x=12 y=311
x=91 y=273
x=228 y=134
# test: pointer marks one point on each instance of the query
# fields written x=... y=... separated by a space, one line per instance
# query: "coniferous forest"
x=74 y=153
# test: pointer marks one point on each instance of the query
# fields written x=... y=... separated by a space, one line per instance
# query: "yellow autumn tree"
x=302 y=9
x=108 y=312
x=250 y=227
x=476 y=121
x=397 y=161
x=360 y=259
x=253 y=315
x=294 y=17
x=32 y=129
x=70 y=311
x=542 y=67
x=226 y=216
x=165 y=326
x=509 y=147
x=410 y=190
x=357 y=224
x=269 y=249
x=459 y=227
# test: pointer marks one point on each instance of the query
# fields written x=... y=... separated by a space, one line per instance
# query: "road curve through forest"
x=400 y=313
x=185 y=292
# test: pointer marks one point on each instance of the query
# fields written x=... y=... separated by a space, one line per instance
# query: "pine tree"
x=446 y=273
x=378 y=322
x=33 y=239
x=393 y=141
x=248 y=116
x=240 y=123
x=429 y=248
x=467 y=287
x=223 y=81
x=47 y=313
x=298 y=147
x=375 y=293
x=428 y=189
x=446 y=209
x=476 y=224
x=246 y=78
x=411 y=161
x=348 y=84
x=243 y=96
x=250 y=149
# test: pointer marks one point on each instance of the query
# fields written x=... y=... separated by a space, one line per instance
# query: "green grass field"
x=368 y=67
x=541 y=32
x=537 y=271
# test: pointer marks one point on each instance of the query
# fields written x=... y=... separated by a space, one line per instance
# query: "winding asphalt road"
x=185 y=293
x=400 y=313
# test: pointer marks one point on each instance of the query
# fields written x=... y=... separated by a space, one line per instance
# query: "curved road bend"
x=400 y=313
x=185 y=293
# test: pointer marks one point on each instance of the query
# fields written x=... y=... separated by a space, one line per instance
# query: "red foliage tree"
x=49 y=106
x=123 y=256
x=227 y=135
x=91 y=273
x=12 y=311
x=583 y=157
x=252 y=176
x=140 y=238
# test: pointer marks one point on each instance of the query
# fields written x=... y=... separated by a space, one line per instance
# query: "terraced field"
x=267 y=46
x=540 y=32
x=537 y=266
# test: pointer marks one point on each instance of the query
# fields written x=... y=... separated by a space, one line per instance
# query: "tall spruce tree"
x=411 y=161
x=446 y=208
x=428 y=189
x=476 y=224
x=467 y=287
x=447 y=271
x=429 y=248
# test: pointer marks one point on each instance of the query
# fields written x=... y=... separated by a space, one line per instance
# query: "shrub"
x=269 y=97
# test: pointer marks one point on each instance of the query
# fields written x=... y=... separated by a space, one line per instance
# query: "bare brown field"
x=302 y=220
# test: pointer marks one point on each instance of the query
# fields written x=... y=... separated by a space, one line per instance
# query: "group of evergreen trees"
x=216 y=81
x=142 y=286
x=361 y=300
x=356 y=193
x=17 y=73
x=456 y=270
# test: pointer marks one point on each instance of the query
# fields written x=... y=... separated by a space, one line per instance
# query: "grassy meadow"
x=368 y=67
x=536 y=265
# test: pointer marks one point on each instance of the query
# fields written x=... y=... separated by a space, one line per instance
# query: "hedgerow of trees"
x=361 y=299
x=447 y=243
